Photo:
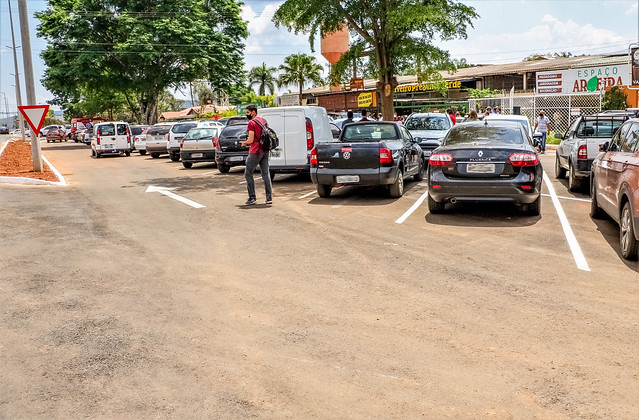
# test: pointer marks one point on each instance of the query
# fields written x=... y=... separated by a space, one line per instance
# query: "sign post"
x=35 y=115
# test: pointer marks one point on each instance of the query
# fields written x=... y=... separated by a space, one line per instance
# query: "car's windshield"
x=182 y=128
x=106 y=130
x=201 y=133
x=422 y=122
x=361 y=132
x=484 y=134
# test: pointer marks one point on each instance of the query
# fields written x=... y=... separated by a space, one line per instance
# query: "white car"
x=429 y=129
x=175 y=135
x=111 y=138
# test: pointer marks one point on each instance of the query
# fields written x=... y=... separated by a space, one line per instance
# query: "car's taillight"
x=314 y=157
x=310 y=140
x=216 y=143
x=97 y=139
x=168 y=137
x=441 y=159
x=128 y=138
x=181 y=143
x=385 y=155
x=523 y=159
x=582 y=152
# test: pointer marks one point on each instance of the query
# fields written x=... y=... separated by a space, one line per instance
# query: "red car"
x=56 y=134
x=615 y=185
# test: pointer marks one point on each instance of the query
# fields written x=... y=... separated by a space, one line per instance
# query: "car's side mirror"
x=603 y=147
x=559 y=136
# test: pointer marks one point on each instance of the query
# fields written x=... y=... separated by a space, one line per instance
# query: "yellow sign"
x=425 y=87
x=366 y=99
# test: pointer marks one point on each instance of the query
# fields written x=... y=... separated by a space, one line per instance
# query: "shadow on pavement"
x=610 y=232
x=482 y=214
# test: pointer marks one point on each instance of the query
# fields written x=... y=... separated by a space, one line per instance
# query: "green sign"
x=241 y=108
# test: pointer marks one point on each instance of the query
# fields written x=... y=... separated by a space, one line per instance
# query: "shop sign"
x=366 y=99
x=426 y=87
x=591 y=79
x=634 y=57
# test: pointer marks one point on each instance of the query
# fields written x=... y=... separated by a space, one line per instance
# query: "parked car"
x=198 y=145
x=485 y=161
x=45 y=130
x=614 y=185
x=83 y=135
x=428 y=129
x=228 y=148
x=175 y=135
x=299 y=129
x=137 y=131
x=340 y=121
x=111 y=138
x=55 y=133
x=580 y=144
x=237 y=120
x=368 y=153
x=18 y=132
x=4 y=130
x=156 y=139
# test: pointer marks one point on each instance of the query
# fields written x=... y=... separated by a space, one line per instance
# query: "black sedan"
x=484 y=161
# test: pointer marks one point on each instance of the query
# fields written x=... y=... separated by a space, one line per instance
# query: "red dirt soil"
x=16 y=161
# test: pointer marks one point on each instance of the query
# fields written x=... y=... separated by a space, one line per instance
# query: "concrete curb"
x=32 y=181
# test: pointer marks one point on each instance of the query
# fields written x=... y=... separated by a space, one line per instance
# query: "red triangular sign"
x=33 y=114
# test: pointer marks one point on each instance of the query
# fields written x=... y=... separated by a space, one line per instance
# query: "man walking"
x=542 y=125
x=349 y=118
x=364 y=114
x=256 y=156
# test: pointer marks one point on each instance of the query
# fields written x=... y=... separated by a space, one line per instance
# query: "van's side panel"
x=290 y=127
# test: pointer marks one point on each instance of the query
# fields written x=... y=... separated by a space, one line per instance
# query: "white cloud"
x=632 y=10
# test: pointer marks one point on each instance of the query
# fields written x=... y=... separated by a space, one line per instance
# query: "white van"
x=299 y=129
x=111 y=138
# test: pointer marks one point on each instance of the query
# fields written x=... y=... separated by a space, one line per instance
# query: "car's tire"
x=223 y=168
x=596 y=212
x=324 y=190
x=97 y=155
x=155 y=155
x=187 y=165
x=560 y=172
x=419 y=176
x=142 y=152
x=175 y=157
x=396 y=190
x=92 y=153
x=435 y=207
x=48 y=141
x=127 y=153
x=534 y=208
x=574 y=183
x=627 y=238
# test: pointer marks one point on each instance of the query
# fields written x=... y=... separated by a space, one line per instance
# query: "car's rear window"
x=362 y=132
x=182 y=128
x=423 y=122
x=598 y=128
x=484 y=134
x=201 y=133
x=522 y=122
x=136 y=130
x=159 y=130
x=106 y=130
x=234 y=130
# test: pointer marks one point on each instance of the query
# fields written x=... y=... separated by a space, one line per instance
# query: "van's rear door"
x=122 y=136
x=290 y=127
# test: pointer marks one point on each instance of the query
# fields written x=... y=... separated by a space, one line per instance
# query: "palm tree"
x=299 y=69
x=262 y=77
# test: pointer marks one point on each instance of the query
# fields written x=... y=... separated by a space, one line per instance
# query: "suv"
x=428 y=129
x=580 y=144
x=614 y=185
x=175 y=135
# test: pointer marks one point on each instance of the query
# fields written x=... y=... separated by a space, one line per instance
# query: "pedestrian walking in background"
x=542 y=125
x=451 y=115
x=349 y=118
x=364 y=113
x=472 y=116
x=256 y=156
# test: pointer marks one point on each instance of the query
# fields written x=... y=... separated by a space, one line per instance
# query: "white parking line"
x=209 y=172
x=306 y=195
x=568 y=198
x=580 y=260
x=414 y=207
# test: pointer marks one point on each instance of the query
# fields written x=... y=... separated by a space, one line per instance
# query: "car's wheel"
x=324 y=190
x=128 y=153
x=187 y=165
x=65 y=139
x=175 y=157
x=627 y=237
x=419 y=176
x=142 y=152
x=155 y=155
x=397 y=189
x=435 y=206
x=534 y=208
x=92 y=153
x=48 y=141
x=596 y=212
x=574 y=184
x=97 y=155
x=223 y=168
x=560 y=172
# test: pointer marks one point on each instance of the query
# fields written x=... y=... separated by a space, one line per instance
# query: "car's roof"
x=487 y=123
x=428 y=114
x=507 y=117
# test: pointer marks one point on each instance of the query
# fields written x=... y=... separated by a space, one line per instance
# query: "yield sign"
x=35 y=115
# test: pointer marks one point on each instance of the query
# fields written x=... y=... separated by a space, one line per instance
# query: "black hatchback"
x=485 y=161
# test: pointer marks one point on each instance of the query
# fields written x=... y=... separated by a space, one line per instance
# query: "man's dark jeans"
x=251 y=163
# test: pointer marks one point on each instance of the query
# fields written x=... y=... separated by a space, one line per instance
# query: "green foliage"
x=262 y=76
x=535 y=57
x=482 y=93
x=139 y=48
x=614 y=98
x=298 y=69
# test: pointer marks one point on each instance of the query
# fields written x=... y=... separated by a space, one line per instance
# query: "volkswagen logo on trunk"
x=347 y=155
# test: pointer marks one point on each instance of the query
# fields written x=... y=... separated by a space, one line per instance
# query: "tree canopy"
x=264 y=77
x=297 y=70
x=140 y=47
x=391 y=33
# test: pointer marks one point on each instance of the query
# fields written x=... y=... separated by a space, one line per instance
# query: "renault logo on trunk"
x=480 y=154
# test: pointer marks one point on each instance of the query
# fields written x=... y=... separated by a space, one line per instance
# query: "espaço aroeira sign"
x=589 y=79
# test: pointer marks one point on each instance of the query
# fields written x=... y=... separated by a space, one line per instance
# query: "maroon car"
x=56 y=134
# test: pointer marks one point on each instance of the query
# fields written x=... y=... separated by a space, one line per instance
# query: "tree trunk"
x=301 y=87
x=149 y=108
x=386 y=93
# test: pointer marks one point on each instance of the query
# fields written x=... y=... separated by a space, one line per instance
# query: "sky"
x=506 y=31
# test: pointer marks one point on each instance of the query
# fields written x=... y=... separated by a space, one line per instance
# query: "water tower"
x=334 y=45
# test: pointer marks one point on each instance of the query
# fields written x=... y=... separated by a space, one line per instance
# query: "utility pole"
x=17 y=75
x=29 y=82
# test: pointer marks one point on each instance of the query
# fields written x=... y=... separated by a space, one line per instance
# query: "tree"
x=392 y=33
x=614 y=98
x=298 y=69
x=263 y=77
x=139 y=47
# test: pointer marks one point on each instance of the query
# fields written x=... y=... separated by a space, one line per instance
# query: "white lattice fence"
x=557 y=107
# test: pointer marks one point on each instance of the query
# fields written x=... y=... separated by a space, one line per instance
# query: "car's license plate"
x=236 y=158
x=480 y=168
x=427 y=152
x=275 y=153
x=345 y=179
x=197 y=155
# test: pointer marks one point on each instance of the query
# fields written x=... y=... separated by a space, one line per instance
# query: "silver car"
x=429 y=129
x=157 y=139
x=198 y=145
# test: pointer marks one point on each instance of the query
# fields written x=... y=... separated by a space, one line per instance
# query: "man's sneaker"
x=269 y=201
x=250 y=202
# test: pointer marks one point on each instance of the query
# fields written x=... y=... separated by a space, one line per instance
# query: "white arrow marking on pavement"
x=165 y=191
